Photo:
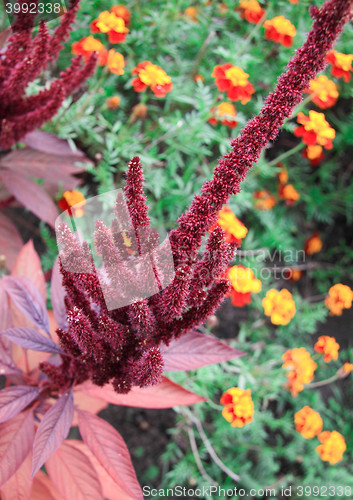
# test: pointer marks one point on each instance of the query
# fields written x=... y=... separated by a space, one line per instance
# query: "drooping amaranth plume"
x=122 y=345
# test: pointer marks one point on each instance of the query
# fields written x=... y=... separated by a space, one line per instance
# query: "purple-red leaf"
x=16 y=439
x=14 y=399
x=110 y=449
x=10 y=241
x=20 y=484
x=195 y=350
x=31 y=339
x=31 y=195
x=57 y=296
x=164 y=395
x=40 y=140
x=73 y=474
x=52 y=430
x=28 y=300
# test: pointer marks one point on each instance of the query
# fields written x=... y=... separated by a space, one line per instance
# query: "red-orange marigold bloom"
x=279 y=305
x=332 y=448
x=234 y=81
x=293 y=274
x=341 y=64
x=308 y=422
x=234 y=229
x=251 y=10
x=300 y=368
x=123 y=12
x=314 y=154
x=324 y=92
x=315 y=129
x=313 y=244
x=339 y=297
x=264 y=200
x=280 y=30
x=288 y=193
x=238 y=406
x=153 y=76
x=224 y=114
x=243 y=283
x=114 y=26
x=86 y=46
x=328 y=347
x=69 y=200
x=115 y=62
x=113 y=102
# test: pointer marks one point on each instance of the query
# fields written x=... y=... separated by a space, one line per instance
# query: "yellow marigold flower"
x=192 y=13
x=251 y=11
x=328 y=347
x=313 y=244
x=279 y=305
x=332 y=448
x=114 y=26
x=234 y=81
x=300 y=368
x=86 y=46
x=280 y=30
x=339 y=297
x=341 y=64
x=74 y=202
x=223 y=113
x=308 y=422
x=231 y=225
x=324 y=92
x=115 y=62
x=243 y=283
x=113 y=102
x=153 y=76
x=238 y=406
x=288 y=193
x=315 y=129
x=347 y=368
x=264 y=200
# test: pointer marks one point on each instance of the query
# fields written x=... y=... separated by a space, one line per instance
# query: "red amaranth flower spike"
x=121 y=345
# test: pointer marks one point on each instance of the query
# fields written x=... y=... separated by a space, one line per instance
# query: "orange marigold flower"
x=234 y=81
x=115 y=62
x=328 y=347
x=300 y=368
x=114 y=26
x=324 y=92
x=314 y=154
x=293 y=274
x=332 y=448
x=264 y=199
x=74 y=202
x=347 y=368
x=238 y=406
x=308 y=422
x=123 y=12
x=315 y=129
x=198 y=78
x=224 y=113
x=234 y=229
x=113 y=102
x=313 y=244
x=243 y=283
x=251 y=11
x=283 y=174
x=341 y=64
x=139 y=112
x=153 y=76
x=288 y=193
x=86 y=46
x=280 y=30
x=192 y=13
x=293 y=1
x=279 y=305
x=339 y=297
